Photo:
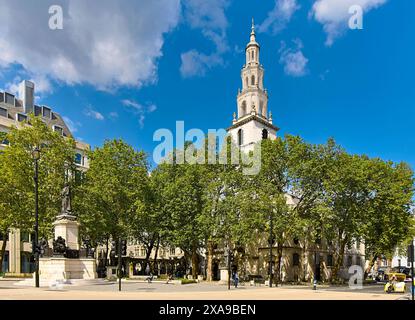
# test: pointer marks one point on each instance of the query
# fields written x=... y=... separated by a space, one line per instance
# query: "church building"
x=253 y=120
x=301 y=260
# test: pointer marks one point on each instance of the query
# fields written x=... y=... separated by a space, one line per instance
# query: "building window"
x=243 y=109
x=78 y=159
x=296 y=241
x=3 y=138
x=172 y=251
x=296 y=259
x=21 y=117
x=329 y=260
x=3 y=112
x=46 y=112
x=240 y=138
x=38 y=111
x=6 y=262
x=261 y=108
x=25 y=237
x=9 y=98
x=58 y=129
x=2 y=237
x=264 y=134
x=253 y=80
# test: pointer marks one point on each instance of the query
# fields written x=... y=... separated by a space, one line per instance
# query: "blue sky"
x=149 y=68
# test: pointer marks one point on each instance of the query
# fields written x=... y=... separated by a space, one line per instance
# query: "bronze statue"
x=66 y=199
x=59 y=246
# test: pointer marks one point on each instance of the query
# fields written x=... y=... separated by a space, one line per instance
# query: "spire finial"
x=253 y=31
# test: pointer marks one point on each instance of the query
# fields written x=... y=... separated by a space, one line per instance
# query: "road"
x=202 y=291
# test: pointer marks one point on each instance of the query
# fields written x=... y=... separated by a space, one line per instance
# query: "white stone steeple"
x=252 y=122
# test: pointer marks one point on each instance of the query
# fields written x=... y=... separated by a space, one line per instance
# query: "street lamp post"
x=271 y=242
x=228 y=264
x=35 y=249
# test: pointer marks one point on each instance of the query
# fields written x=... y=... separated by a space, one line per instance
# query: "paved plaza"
x=11 y=290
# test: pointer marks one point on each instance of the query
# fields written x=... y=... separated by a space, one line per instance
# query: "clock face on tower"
x=252 y=122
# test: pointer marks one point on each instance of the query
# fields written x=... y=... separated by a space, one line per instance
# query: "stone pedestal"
x=67 y=227
x=224 y=275
x=67 y=269
x=60 y=268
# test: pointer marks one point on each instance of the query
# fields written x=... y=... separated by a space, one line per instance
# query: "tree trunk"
x=209 y=275
x=3 y=250
x=155 y=267
x=149 y=249
x=371 y=264
x=339 y=260
x=106 y=252
x=195 y=263
x=278 y=268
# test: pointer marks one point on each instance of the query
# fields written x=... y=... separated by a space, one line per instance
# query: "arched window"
x=78 y=158
x=296 y=259
x=264 y=134
x=243 y=109
x=261 y=108
x=253 y=55
x=246 y=82
x=240 y=137
x=253 y=80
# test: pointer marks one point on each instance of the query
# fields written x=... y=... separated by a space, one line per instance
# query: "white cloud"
x=279 y=16
x=43 y=85
x=73 y=126
x=334 y=14
x=133 y=104
x=139 y=110
x=89 y=112
x=113 y=115
x=104 y=43
x=209 y=16
x=13 y=86
x=293 y=59
x=195 y=63
x=151 y=108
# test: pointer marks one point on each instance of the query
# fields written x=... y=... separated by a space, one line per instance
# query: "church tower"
x=252 y=121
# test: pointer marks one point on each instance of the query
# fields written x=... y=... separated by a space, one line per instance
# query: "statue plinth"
x=67 y=227
x=66 y=244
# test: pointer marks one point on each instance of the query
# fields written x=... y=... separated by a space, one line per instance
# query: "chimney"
x=27 y=95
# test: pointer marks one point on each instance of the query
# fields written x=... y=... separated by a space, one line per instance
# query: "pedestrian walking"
x=236 y=279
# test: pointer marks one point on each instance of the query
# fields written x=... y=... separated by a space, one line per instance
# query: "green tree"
x=113 y=188
x=16 y=177
x=389 y=223
x=226 y=218
x=270 y=190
